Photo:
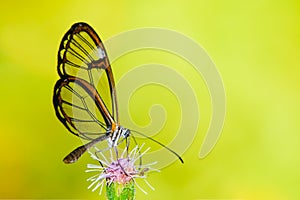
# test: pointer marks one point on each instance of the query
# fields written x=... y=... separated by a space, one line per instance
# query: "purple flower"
x=119 y=172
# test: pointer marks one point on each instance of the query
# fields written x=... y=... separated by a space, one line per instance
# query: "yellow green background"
x=256 y=47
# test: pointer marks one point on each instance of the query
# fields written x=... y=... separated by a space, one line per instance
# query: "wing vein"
x=78 y=45
x=85 y=41
x=77 y=55
x=86 y=107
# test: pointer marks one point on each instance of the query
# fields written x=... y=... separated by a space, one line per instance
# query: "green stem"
x=116 y=191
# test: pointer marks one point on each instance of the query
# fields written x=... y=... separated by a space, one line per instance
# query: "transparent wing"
x=82 y=55
x=80 y=108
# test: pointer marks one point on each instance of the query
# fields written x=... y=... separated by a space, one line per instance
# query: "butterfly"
x=85 y=99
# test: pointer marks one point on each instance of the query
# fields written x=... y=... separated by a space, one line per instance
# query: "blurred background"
x=255 y=46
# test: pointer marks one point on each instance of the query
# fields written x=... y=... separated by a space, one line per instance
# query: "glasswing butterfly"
x=85 y=99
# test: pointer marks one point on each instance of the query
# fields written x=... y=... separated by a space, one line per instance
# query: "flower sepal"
x=116 y=191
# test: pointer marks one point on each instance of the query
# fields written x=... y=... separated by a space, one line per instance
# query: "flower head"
x=120 y=173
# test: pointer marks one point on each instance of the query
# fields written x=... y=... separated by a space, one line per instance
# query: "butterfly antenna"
x=161 y=144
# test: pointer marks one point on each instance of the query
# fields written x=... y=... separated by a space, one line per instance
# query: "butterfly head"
x=125 y=132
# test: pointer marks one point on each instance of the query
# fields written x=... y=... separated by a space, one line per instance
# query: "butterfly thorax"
x=119 y=131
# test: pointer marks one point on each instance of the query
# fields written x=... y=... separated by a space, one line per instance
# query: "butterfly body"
x=117 y=134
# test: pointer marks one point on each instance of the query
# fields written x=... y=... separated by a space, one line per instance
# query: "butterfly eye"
x=125 y=132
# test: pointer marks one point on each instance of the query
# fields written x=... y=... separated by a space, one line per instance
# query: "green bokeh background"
x=256 y=47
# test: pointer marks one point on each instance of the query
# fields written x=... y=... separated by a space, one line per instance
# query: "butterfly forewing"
x=84 y=97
